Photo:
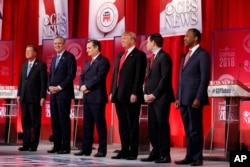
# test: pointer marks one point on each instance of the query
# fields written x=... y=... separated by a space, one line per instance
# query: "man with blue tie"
x=93 y=86
x=31 y=95
x=61 y=88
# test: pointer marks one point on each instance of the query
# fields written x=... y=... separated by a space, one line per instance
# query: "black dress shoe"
x=23 y=149
x=33 y=149
x=197 y=163
x=119 y=156
x=183 y=162
x=131 y=158
x=152 y=157
x=82 y=153
x=63 y=152
x=164 y=159
x=100 y=154
x=52 y=151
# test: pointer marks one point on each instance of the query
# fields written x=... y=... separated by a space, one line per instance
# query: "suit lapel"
x=60 y=61
x=32 y=68
x=129 y=56
x=193 y=56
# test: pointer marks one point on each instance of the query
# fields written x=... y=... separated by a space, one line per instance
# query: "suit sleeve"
x=43 y=76
x=205 y=74
x=71 y=72
x=140 y=70
x=166 y=70
x=20 y=82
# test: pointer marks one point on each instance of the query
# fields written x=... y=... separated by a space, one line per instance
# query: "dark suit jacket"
x=63 y=75
x=32 y=88
x=159 y=79
x=94 y=77
x=194 y=78
x=131 y=77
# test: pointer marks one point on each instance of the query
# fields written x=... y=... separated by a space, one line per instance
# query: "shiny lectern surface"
x=231 y=91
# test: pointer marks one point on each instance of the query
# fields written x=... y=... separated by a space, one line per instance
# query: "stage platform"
x=10 y=156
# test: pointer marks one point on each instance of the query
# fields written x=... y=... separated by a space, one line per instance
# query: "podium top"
x=227 y=88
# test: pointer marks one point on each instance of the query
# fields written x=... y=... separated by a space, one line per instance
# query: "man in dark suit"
x=158 y=94
x=31 y=95
x=93 y=86
x=127 y=94
x=61 y=88
x=192 y=95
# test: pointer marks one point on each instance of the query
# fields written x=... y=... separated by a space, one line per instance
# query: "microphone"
x=239 y=69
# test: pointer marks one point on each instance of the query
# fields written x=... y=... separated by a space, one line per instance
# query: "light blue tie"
x=29 y=68
x=57 y=61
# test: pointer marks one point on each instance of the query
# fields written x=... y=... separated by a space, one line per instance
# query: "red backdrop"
x=20 y=23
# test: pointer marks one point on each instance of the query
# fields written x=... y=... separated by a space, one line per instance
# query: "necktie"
x=92 y=60
x=29 y=68
x=152 y=60
x=57 y=61
x=122 y=60
x=187 y=58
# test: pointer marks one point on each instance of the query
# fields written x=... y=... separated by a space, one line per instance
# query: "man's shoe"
x=52 y=151
x=152 y=157
x=131 y=158
x=63 y=152
x=100 y=154
x=33 y=149
x=183 y=162
x=82 y=153
x=164 y=159
x=197 y=163
x=23 y=149
x=119 y=156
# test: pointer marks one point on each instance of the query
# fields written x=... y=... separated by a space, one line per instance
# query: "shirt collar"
x=95 y=57
x=130 y=49
x=32 y=62
x=156 y=51
x=194 y=48
x=60 y=54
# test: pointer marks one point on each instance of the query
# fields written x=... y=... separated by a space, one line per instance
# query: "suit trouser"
x=94 y=114
x=60 y=117
x=159 y=128
x=128 y=116
x=192 y=120
x=31 y=124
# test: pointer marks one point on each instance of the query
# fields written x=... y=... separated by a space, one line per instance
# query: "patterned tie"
x=187 y=58
x=29 y=68
x=122 y=60
x=57 y=61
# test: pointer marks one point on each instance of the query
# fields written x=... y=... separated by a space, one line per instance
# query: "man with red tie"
x=127 y=94
x=93 y=86
x=159 y=94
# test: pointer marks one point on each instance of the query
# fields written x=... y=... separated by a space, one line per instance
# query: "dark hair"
x=33 y=48
x=96 y=43
x=157 y=38
x=196 y=33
